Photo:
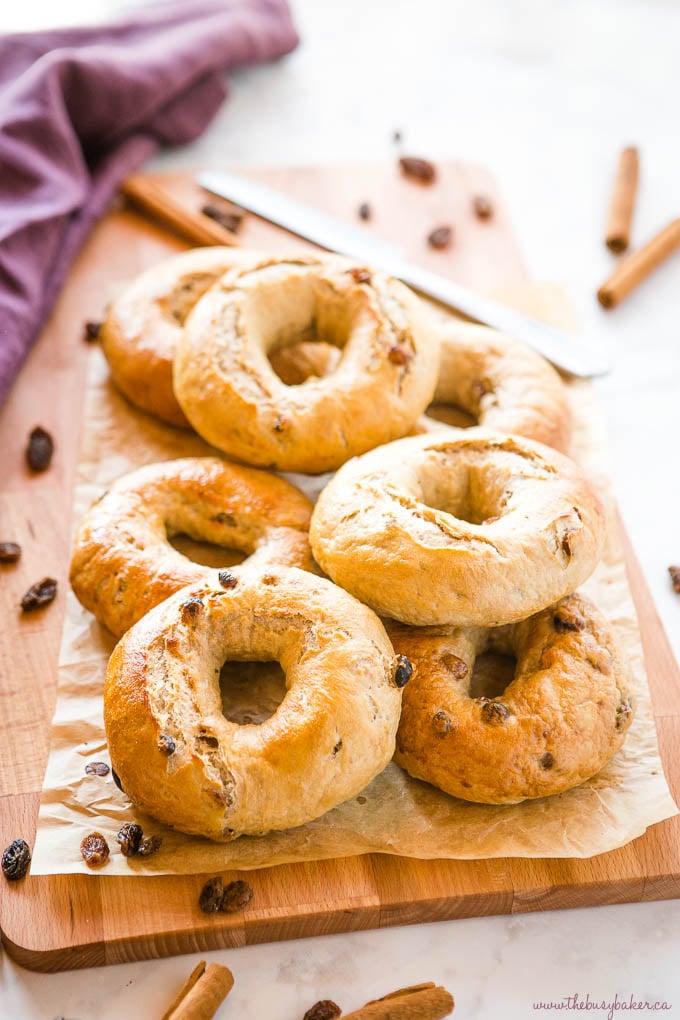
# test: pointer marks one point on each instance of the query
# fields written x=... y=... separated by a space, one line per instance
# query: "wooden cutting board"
x=59 y=922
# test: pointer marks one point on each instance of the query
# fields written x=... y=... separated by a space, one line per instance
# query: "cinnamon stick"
x=617 y=237
x=161 y=205
x=639 y=265
x=418 y=1002
x=202 y=994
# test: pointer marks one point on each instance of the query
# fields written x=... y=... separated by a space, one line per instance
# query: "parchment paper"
x=395 y=814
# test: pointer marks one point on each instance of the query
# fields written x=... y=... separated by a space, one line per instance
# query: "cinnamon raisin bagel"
x=503 y=384
x=182 y=761
x=466 y=527
x=232 y=396
x=559 y=721
x=141 y=328
x=123 y=562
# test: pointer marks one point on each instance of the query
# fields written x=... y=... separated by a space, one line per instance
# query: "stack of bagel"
x=430 y=546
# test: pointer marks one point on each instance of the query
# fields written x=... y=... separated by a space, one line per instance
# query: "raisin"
x=675 y=578
x=92 y=331
x=623 y=713
x=116 y=779
x=227 y=579
x=39 y=595
x=95 y=849
x=365 y=211
x=166 y=745
x=150 y=845
x=97 y=768
x=440 y=237
x=360 y=275
x=15 y=860
x=493 y=712
x=441 y=724
x=547 y=761
x=418 y=169
x=9 y=552
x=403 y=671
x=230 y=219
x=454 y=665
x=482 y=207
x=129 y=836
x=324 y=1009
x=211 y=895
x=39 y=450
x=191 y=608
x=563 y=624
x=336 y=747
x=236 y=896
x=279 y=424
x=399 y=355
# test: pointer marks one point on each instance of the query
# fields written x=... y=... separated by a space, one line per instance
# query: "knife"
x=564 y=350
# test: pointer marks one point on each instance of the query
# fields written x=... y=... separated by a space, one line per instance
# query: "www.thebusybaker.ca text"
x=608 y=1007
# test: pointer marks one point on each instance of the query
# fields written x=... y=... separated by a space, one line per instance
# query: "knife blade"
x=567 y=351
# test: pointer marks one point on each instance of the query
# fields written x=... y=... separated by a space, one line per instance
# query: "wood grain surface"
x=60 y=922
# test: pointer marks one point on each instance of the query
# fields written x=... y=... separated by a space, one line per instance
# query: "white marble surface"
x=544 y=93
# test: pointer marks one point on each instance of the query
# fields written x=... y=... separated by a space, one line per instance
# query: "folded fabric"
x=81 y=108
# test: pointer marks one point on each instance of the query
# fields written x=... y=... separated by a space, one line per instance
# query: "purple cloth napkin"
x=81 y=108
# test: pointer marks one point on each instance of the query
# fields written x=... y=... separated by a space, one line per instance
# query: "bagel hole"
x=451 y=414
x=307 y=359
x=466 y=491
x=251 y=691
x=205 y=553
x=492 y=673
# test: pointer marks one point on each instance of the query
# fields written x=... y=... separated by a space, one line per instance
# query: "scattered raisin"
x=97 y=768
x=149 y=845
x=224 y=518
x=361 y=799
x=360 y=274
x=493 y=712
x=95 y=849
x=482 y=207
x=365 y=211
x=418 y=169
x=441 y=724
x=211 y=895
x=563 y=623
x=675 y=578
x=166 y=745
x=279 y=424
x=92 y=331
x=623 y=713
x=15 y=860
x=454 y=665
x=227 y=579
x=336 y=747
x=9 y=552
x=39 y=595
x=399 y=355
x=236 y=896
x=547 y=761
x=230 y=219
x=39 y=450
x=129 y=836
x=191 y=608
x=440 y=237
x=403 y=672
x=116 y=779
x=568 y=542
x=325 y=1009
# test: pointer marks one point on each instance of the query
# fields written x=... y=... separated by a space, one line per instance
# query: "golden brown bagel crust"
x=123 y=563
x=230 y=393
x=332 y=734
x=466 y=527
x=503 y=384
x=563 y=716
x=139 y=334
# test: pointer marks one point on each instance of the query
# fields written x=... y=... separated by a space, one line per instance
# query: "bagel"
x=232 y=396
x=141 y=327
x=465 y=527
x=563 y=716
x=123 y=562
x=182 y=761
x=502 y=384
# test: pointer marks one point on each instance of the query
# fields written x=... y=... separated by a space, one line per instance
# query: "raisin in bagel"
x=123 y=562
x=502 y=384
x=142 y=325
x=563 y=716
x=182 y=761
x=465 y=527
x=232 y=396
